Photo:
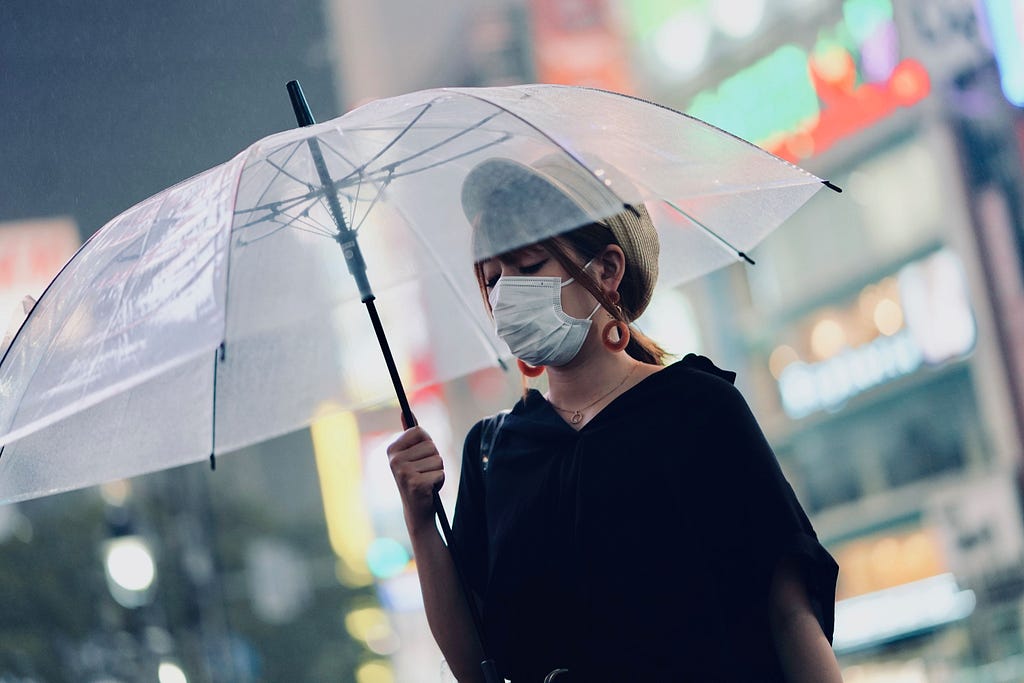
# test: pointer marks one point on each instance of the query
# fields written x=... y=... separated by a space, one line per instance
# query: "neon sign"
x=935 y=324
x=797 y=103
x=1006 y=25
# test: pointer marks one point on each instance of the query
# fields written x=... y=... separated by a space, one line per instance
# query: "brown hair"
x=588 y=241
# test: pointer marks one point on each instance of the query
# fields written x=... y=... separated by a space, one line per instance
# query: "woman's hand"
x=418 y=471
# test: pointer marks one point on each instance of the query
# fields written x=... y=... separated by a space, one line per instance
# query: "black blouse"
x=641 y=547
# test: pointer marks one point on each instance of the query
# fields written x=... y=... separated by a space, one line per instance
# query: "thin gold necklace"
x=577 y=414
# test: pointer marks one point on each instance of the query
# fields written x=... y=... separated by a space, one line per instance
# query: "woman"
x=632 y=524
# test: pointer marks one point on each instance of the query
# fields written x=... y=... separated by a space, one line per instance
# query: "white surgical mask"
x=528 y=316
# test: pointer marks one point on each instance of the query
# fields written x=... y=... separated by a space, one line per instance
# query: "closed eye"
x=532 y=269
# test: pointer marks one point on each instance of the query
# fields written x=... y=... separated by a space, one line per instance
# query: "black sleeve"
x=469 y=525
x=757 y=518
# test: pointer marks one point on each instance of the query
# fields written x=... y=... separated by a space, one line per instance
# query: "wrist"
x=421 y=525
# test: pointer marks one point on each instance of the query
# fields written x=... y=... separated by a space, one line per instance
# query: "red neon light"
x=847 y=108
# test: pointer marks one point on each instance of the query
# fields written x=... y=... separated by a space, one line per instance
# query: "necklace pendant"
x=576 y=418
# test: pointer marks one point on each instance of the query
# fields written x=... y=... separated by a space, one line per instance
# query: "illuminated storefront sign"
x=899 y=612
x=920 y=317
x=797 y=103
x=808 y=387
x=894 y=584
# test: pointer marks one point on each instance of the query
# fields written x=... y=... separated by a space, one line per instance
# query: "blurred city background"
x=879 y=340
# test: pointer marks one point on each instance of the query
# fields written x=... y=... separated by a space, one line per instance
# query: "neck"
x=576 y=384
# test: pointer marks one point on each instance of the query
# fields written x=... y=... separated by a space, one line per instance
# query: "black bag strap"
x=489 y=436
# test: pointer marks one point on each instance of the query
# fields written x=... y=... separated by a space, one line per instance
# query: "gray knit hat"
x=559 y=185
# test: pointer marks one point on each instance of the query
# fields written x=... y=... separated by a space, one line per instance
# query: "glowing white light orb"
x=130 y=563
x=681 y=43
x=169 y=672
x=737 y=18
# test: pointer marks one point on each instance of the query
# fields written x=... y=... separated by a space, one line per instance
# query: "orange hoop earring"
x=530 y=370
x=623 y=330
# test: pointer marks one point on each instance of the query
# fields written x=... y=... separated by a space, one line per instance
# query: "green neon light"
x=647 y=16
x=863 y=17
x=774 y=94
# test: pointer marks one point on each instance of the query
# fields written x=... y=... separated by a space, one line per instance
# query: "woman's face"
x=535 y=261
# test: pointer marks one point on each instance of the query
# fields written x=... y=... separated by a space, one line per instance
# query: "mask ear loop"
x=619 y=325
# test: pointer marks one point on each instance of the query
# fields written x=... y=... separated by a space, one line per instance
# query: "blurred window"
x=886 y=217
x=914 y=434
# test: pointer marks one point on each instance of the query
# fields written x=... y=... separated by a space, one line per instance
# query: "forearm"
x=803 y=649
x=447 y=612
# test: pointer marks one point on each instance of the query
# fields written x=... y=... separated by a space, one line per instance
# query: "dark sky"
x=105 y=103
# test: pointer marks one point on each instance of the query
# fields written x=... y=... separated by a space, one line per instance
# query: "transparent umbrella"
x=221 y=311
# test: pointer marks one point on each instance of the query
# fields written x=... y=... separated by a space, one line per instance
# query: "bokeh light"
x=376 y=671
x=827 y=338
x=888 y=317
x=169 y=672
x=682 y=42
x=129 y=563
x=737 y=18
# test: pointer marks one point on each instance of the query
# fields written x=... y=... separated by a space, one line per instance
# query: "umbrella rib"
x=449 y=139
x=380 y=193
x=464 y=131
x=435 y=164
x=283 y=172
x=295 y=149
x=312 y=226
x=276 y=209
x=284 y=226
x=543 y=133
x=394 y=140
x=389 y=169
x=721 y=240
x=276 y=206
x=359 y=169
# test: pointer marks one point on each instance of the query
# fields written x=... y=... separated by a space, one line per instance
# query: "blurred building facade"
x=878 y=342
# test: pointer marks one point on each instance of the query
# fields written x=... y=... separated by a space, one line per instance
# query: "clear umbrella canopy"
x=221 y=312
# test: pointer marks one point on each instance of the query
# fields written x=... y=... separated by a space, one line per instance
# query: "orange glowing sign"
x=576 y=42
x=848 y=108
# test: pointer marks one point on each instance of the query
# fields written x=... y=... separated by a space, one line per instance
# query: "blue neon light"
x=1006 y=26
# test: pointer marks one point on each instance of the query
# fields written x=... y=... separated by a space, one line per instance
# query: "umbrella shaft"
x=356 y=265
x=385 y=348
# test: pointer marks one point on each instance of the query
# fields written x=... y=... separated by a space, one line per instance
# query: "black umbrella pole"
x=487 y=666
x=407 y=417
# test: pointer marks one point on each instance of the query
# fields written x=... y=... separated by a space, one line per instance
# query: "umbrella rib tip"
x=832 y=186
